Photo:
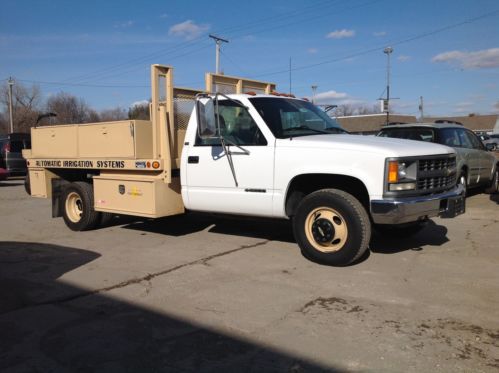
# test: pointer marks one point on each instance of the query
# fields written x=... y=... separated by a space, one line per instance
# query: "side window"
x=237 y=127
x=475 y=142
x=465 y=140
x=240 y=128
x=450 y=137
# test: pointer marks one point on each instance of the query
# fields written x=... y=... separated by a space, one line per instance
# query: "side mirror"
x=490 y=147
x=207 y=124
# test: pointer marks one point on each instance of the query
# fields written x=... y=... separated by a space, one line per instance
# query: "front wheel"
x=332 y=227
x=464 y=182
x=79 y=213
x=494 y=184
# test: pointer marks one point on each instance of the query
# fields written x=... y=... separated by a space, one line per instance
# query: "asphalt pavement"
x=200 y=293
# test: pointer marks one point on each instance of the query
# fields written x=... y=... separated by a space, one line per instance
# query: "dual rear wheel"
x=78 y=208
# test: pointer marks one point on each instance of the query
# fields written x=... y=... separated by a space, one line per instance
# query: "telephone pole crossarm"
x=218 y=42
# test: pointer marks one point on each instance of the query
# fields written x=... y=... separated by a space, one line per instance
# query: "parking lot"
x=203 y=293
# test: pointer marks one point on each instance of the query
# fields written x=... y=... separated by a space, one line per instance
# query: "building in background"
x=370 y=124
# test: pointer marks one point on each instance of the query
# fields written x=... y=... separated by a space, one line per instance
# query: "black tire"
x=332 y=227
x=78 y=211
x=105 y=219
x=27 y=185
x=463 y=180
x=400 y=230
x=494 y=184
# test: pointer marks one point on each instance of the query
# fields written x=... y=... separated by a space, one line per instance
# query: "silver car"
x=486 y=139
x=476 y=165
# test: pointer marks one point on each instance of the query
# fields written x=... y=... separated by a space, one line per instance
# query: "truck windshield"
x=292 y=118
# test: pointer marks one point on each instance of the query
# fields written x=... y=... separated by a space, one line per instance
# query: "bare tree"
x=71 y=109
x=26 y=103
x=139 y=112
x=117 y=113
x=345 y=110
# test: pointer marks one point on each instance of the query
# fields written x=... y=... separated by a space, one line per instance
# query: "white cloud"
x=126 y=24
x=188 y=30
x=139 y=103
x=341 y=34
x=380 y=33
x=487 y=58
x=403 y=58
x=312 y=50
x=329 y=96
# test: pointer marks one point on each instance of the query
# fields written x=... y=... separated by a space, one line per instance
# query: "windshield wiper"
x=338 y=130
x=303 y=128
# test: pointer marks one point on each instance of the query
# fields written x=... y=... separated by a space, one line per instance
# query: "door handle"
x=193 y=159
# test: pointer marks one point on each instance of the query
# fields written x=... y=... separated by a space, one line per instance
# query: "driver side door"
x=247 y=187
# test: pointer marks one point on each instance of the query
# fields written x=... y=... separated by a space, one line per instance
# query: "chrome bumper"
x=406 y=210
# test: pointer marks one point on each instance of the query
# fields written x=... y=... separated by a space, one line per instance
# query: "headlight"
x=396 y=171
x=401 y=175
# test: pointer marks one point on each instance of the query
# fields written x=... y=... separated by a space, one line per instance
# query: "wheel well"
x=303 y=185
x=74 y=175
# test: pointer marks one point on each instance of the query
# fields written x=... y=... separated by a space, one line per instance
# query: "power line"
x=356 y=54
x=376 y=49
x=195 y=41
x=82 y=84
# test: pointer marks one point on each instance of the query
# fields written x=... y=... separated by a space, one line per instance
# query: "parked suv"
x=476 y=165
x=11 y=147
x=486 y=139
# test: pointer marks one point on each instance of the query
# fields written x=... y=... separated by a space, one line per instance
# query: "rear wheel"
x=332 y=227
x=79 y=213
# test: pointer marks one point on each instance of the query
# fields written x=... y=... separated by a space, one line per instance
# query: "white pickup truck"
x=253 y=154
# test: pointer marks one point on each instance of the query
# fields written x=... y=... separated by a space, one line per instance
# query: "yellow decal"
x=135 y=192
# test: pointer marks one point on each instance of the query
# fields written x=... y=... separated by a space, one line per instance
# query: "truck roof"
x=260 y=95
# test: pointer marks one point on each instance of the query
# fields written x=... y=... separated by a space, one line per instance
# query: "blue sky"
x=446 y=51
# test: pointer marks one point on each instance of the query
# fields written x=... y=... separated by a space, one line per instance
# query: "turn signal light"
x=393 y=171
x=155 y=164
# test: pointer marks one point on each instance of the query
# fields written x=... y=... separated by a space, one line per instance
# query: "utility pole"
x=11 y=83
x=218 y=41
x=421 y=113
x=314 y=89
x=290 y=75
x=388 y=51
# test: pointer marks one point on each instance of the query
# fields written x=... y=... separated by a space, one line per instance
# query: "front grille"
x=437 y=164
x=441 y=182
x=436 y=174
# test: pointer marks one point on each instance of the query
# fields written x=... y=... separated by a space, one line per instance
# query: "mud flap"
x=58 y=186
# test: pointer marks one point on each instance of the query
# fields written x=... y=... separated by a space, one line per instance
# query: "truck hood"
x=389 y=147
